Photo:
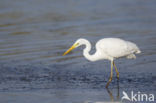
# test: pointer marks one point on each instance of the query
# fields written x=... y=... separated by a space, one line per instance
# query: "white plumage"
x=108 y=48
x=115 y=48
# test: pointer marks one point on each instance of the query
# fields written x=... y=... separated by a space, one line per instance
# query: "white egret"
x=108 y=48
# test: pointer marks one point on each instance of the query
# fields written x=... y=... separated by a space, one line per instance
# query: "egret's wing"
x=133 y=47
x=113 y=47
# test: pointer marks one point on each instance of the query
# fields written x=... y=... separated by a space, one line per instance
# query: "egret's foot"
x=110 y=79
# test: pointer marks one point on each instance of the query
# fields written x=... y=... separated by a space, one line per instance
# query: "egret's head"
x=75 y=45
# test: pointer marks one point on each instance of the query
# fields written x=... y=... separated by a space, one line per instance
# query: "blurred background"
x=35 y=33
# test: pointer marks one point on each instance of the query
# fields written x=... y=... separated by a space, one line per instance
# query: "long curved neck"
x=87 y=50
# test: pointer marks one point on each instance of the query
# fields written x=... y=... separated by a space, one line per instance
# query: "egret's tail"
x=138 y=51
x=133 y=47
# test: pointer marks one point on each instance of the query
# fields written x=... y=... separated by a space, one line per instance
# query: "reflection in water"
x=113 y=100
x=111 y=95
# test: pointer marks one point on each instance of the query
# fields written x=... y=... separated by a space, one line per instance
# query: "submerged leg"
x=111 y=75
x=117 y=73
x=110 y=94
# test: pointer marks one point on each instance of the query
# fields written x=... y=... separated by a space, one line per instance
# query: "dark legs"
x=111 y=94
x=111 y=74
x=117 y=73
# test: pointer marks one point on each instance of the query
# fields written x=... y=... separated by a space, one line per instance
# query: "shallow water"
x=34 y=35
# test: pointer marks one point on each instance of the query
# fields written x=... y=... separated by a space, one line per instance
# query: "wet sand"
x=34 y=35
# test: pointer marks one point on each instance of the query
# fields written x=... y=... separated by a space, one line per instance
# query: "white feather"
x=110 y=48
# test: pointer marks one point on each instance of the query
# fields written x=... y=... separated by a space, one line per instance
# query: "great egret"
x=108 y=48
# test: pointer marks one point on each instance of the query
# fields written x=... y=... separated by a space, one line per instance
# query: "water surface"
x=34 y=35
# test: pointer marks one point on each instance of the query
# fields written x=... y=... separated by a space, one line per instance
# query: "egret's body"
x=108 y=48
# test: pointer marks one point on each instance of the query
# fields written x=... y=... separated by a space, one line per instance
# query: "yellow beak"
x=70 y=49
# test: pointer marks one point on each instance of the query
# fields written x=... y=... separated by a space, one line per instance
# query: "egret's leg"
x=117 y=73
x=110 y=94
x=111 y=75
